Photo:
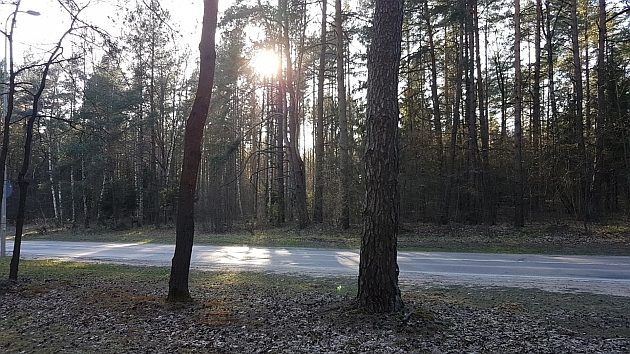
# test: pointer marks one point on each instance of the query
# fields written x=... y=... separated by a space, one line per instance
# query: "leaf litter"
x=263 y=313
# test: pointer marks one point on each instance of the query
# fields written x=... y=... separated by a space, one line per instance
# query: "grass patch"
x=588 y=314
x=67 y=271
x=541 y=238
x=276 y=237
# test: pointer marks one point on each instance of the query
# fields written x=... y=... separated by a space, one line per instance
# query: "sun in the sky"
x=265 y=63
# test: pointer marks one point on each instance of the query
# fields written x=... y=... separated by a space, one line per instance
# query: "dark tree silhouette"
x=193 y=136
x=23 y=181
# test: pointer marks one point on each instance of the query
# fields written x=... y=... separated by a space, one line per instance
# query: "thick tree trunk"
x=519 y=178
x=600 y=123
x=318 y=185
x=193 y=137
x=378 y=269
x=297 y=164
x=344 y=141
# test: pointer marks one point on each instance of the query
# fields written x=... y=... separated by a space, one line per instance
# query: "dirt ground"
x=79 y=308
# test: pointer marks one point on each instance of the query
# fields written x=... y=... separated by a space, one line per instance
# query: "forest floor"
x=544 y=238
x=79 y=307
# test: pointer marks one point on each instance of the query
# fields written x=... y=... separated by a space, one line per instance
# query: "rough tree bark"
x=193 y=137
x=344 y=141
x=378 y=269
x=318 y=188
x=297 y=164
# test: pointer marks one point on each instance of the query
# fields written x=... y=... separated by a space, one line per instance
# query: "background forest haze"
x=284 y=140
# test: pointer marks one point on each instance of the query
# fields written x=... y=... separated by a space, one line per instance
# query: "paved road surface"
x=598 y=274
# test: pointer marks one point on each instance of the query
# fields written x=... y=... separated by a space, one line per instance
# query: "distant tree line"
x=484 y=138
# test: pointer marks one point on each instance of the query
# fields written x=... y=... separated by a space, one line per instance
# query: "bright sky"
x=36 y=34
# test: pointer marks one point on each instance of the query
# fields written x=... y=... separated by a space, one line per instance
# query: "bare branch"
x=614 y=16
x=54 y=62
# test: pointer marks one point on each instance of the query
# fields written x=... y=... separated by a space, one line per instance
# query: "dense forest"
x=505 y=116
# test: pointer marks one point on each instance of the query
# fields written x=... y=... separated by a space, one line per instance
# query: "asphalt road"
x=597 y=274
